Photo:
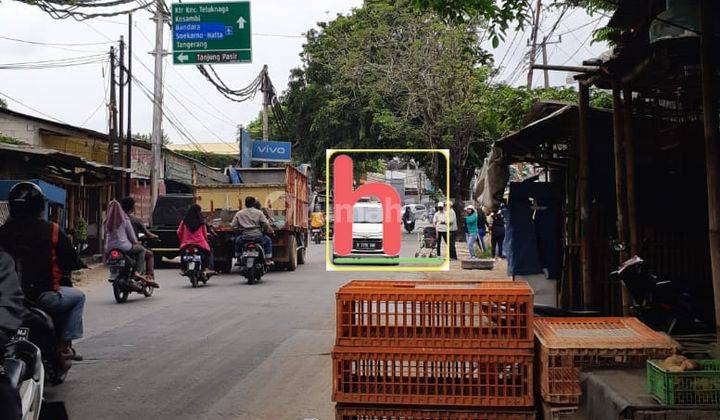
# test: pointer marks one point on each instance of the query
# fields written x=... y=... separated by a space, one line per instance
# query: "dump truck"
x=283 y=192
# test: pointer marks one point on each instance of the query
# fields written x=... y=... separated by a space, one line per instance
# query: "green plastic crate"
x=698 y=387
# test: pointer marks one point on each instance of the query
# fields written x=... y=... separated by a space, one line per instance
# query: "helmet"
x=26 y=200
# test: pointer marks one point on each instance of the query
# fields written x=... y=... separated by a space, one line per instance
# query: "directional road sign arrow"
x=241 y=23
x=182 y=57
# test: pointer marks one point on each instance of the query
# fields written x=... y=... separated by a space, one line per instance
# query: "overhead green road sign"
x=211 y=33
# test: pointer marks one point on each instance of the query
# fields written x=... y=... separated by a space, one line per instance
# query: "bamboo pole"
x=712 y=143
x=584 y=186
x=629 y=137
x=620 y=201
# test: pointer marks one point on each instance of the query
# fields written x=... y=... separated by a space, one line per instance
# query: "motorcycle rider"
x=43 y=253
x=317 y=218
x=194 y=231
x=120 y=235
x=252 y=224
x=128 y=206
x=11 y=314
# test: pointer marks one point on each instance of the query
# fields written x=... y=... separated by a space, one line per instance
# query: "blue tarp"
x=532 y=236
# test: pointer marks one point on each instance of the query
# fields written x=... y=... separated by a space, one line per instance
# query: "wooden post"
x=584 y=187
x=620 y=201
x=629 y=138
x=712 y=143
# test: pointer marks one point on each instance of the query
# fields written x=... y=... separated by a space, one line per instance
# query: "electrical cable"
x=33 y=109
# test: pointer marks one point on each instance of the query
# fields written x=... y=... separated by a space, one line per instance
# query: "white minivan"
x=368 y=230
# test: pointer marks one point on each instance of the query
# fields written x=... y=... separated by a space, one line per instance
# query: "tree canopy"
x=392 y=76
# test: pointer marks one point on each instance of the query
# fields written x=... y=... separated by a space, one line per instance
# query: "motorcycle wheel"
x=121 y=296
x=317 y=238
x=54 y=374
x=251 y=275
x=193 y=279
x=148 y=291
x=301 y=256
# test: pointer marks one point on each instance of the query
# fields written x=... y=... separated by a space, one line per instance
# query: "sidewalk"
x=499 y=272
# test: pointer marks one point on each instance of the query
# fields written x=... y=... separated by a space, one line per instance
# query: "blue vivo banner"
x=271 y=151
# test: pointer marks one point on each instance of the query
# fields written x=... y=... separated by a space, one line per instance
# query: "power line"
x=56 y=44
x=582 y=44
x=56 y=63
x=33 y=109
x=226 y=118
x=61 y=9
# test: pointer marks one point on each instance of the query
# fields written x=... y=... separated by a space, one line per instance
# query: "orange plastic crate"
x=567 y=345
x=439 y=377
x=439 y=314
x=396 y=413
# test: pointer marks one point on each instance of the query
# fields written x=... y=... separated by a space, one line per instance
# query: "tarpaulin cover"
x=532 y=236
x=493 y=179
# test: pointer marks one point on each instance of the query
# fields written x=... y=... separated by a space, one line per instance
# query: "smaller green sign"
x=211 y=33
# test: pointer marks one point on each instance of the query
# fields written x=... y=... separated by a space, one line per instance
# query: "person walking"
x=471 y=229
x=445 y=224
x=497 y=234
x=482 y=228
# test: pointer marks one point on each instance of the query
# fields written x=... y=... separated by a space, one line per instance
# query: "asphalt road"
x=225 y=350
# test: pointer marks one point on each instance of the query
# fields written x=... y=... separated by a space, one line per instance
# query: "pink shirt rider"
x=198 y=238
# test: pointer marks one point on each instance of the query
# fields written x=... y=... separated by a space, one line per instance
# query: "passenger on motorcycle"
x=194 y=231
x=252 y=226
x=128 y=206
x=317 y=219
x=120 y=235
x=11 y=314
x=43 y=254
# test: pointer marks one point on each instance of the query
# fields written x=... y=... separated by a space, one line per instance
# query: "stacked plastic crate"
x=565 y=346
x=413 y=349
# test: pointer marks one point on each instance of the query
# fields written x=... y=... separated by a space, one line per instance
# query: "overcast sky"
x=77 y=95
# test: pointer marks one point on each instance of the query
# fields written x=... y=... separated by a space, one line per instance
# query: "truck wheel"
x=224 y=266
x=301 y=256
x=292 y=254
x=157 y=260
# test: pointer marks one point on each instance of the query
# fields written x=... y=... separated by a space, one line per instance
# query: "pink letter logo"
x=345 y=198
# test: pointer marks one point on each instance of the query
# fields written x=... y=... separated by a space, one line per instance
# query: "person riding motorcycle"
x=43 y=254
x=253 y=226
x=128 y=206
x=11 y=316
x=120 y=235
x=317 y=219
x=194 y=231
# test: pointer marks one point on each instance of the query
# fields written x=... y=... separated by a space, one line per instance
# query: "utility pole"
x=240 y=141
x=112 y=124
x=533 y=42
x=121 y=121
x=545 y=59
x=708 y=51
x=128 y=143
x=265 y=89
x=157 y=139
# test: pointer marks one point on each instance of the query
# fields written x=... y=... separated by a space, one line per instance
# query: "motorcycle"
x=251 y=260
x=192 y=266
x=23 y=366
x=661 y=304
x=122 y=268
x=408 y=222
x=317 y=234
x=42 y=334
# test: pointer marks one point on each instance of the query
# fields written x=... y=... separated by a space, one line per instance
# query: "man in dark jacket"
x=11 y=313
x=43 y=254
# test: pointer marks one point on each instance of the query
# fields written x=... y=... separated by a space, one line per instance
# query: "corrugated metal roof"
x=70 y=159
x=230 y=148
